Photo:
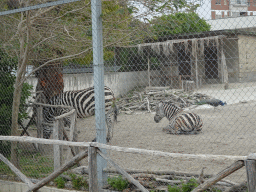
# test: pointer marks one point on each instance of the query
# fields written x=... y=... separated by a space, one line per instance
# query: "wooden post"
x=149 y=83
x=92 y=169
x=250 y=165
x=56 y=148
x=39 y=125
x=61 y=137
x=73 y=130
x=196 y=70
x=180 y=82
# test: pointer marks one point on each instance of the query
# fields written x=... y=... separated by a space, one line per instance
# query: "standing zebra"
x=185 y=123
x=83 y=102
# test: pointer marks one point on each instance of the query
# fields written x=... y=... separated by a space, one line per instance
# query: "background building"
x=232 y=8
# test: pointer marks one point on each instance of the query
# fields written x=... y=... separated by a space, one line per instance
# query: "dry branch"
x=234 y=167
x=143 y=173
x=171 y=182
x=237 y=187
x=153 y=95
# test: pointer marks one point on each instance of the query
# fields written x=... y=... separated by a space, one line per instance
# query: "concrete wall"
x=231 y=52
x=247 y=57
x=119 y=82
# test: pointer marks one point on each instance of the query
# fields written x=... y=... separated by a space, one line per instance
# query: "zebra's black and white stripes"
x=166 y=109
x=179 y=123
x=83 y=102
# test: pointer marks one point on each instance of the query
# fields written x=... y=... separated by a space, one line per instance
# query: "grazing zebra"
x=185 y=123
x=84 y=103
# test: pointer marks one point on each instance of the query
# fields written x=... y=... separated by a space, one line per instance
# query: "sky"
x=204 y=11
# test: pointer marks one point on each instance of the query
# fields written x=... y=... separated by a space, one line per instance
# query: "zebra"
x=83 y=101
x=166 y=109
x=179 y=123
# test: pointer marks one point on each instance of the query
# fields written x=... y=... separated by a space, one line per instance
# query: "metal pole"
x=98 y=67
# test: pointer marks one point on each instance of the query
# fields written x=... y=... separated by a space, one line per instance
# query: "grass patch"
x=118 y=183
x=33 y=165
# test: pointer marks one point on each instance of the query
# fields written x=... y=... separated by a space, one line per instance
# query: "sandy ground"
x=228 y=130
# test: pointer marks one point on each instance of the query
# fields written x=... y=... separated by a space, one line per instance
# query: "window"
x=218 y=2
x=225 y=2
x=239 y=2
x=254 y=3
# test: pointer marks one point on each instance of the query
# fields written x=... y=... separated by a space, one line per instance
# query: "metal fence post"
x=98 y=67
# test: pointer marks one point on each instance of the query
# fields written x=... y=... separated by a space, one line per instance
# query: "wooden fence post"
x=57 y=149
x=39 y=125
x=92 y=169
x=73 y=131
x=250 y=165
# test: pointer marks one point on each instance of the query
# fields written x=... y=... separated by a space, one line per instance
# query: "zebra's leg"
x=173 y=127
x=47 y=132
x=109 y=127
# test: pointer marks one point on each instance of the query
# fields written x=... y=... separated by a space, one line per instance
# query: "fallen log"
x=238 y=187
x=162 y=174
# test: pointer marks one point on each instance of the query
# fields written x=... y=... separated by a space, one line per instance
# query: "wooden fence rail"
x=95 y=147
x=122 y=149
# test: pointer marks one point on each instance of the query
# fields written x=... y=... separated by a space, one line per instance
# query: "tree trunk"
x=14 y=128
x=21 y=71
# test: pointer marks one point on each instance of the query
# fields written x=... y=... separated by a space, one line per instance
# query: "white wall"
x=232 y=23
x=119 y=82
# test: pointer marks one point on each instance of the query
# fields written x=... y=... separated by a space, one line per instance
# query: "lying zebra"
x=179 y=123
x=83 y=102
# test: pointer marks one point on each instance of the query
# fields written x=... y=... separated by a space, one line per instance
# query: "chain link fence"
x=161 y=58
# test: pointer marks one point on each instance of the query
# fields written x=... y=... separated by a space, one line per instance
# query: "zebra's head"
x=159 y=112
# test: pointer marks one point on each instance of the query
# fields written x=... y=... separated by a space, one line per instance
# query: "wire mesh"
x=196 y=55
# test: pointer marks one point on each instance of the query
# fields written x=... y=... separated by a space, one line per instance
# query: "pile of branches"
x=160 y=180
x=147 y=99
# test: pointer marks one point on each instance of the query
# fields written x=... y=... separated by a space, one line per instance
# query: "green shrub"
x=185 y=187
x=78 y=182
x=173 y=189
x=8 y=67
x=60 y=182
x=118 y=183
x=189 y=186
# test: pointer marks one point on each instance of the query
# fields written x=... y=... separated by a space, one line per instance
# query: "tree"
x=178 y=23
x=8 y=67
x=63 y=34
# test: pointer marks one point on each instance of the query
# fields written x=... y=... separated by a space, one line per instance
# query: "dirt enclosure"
x=227 y=130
